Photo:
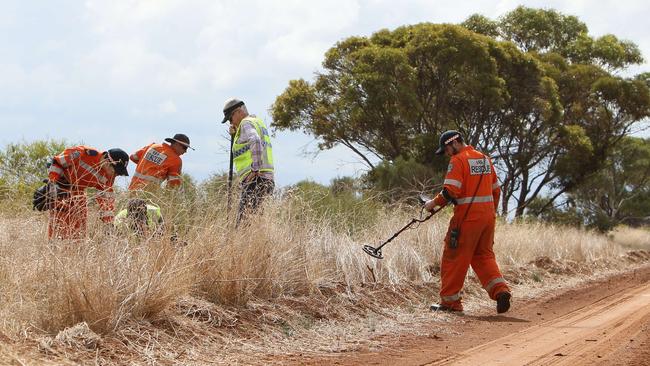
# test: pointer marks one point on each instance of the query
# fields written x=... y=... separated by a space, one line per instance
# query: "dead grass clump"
x=253 y=262
x=522 y=243
x=637 y=256
x=102 y=281
x=106 y=284
x=630 y=237
x=79 y=336
x=567 y=266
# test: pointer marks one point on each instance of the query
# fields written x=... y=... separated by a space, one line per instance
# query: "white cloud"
x=216 y=43
x=161 y=109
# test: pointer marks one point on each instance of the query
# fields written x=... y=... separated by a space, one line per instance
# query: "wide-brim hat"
x=228 y=107
x=181 y=139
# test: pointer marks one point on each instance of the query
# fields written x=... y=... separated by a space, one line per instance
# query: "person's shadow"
x=497 y=318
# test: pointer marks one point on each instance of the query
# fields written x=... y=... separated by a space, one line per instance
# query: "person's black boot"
x=503 y=302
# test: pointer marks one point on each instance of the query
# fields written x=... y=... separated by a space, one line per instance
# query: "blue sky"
x=126 y=73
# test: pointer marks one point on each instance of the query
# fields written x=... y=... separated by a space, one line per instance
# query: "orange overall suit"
x=470 y=174
x=155 y=163
x=78 y=166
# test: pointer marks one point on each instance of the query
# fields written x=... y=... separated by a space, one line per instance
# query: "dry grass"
x=101 y=281
x=522 y=243
x=632 y=238
x=284 y=275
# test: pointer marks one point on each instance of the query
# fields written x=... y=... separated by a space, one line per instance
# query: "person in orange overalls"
x=69 y=174
x=471 y=185
x=159 y=162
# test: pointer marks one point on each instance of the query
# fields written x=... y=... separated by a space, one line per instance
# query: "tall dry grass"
x=632 y=238
x=100 y=280
x=106 y=280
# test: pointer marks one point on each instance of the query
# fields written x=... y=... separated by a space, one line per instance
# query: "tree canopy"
x=532 y=89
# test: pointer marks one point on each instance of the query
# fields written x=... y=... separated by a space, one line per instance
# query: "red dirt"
x=603 y=322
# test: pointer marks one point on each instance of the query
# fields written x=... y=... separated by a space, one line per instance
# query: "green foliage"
x=541 y=209
x=343 y=205
x=532 y=89
x=23 y=166
x=577 y=150
x=378 y=95
x=587 y=100
x=404 y=178
x=482 y=25
x=540 y=30
x=547 y=31
x=620 y=191
x=614 y=53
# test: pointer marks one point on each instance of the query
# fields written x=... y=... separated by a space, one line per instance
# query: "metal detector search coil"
x=373 y=252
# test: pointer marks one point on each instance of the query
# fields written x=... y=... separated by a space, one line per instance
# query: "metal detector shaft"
x=230 y=173
x=413 y=221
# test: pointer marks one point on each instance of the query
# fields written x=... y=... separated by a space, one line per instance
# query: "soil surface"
x=602 y=322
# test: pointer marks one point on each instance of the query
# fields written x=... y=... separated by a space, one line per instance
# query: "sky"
x=124 y=73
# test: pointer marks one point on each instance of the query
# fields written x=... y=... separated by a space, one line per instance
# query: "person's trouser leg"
x=485 y=265
x=67 y=220
x=455 y=263
x=252 y=195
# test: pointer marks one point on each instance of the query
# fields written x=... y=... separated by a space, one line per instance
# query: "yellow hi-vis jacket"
x=242 y=154
x=154 y=217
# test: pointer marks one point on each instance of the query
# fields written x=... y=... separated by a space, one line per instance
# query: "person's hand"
x=232 y=129
x=430 y=205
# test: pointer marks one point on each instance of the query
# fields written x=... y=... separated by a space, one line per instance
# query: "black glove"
x=40 y=198
x=45 y=196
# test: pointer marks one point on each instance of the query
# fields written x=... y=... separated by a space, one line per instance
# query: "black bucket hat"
x=181 y=139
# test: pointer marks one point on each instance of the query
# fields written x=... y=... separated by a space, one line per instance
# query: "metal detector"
x=230 y=173
x=376 y=252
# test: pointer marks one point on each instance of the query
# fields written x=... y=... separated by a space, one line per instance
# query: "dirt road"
x=605 y=322
x=583 y=337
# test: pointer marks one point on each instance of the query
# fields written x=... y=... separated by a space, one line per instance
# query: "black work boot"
x=503 y=302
